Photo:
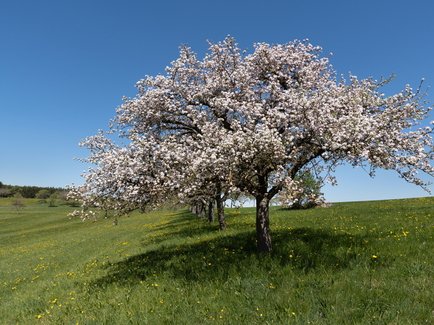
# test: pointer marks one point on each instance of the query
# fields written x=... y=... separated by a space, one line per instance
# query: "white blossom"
x=252 y=122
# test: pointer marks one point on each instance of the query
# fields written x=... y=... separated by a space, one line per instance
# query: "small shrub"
x=52 y=200
x=18 y=202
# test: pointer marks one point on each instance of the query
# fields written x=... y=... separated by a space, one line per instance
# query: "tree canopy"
x=238 y=122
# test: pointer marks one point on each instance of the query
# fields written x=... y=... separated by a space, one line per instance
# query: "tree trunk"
x=202 y=212
x=221 y=212
x=263 y=237
x=210 y=211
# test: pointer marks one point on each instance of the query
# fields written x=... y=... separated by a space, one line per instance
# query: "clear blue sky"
x=65 y=65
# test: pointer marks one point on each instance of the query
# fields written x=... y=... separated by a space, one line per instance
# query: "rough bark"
x=220 y=204
x=263 y=236
x=220 y=211
x=210 y=211
x=202 y=211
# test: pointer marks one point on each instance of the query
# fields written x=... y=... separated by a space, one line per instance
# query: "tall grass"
x=351 y=263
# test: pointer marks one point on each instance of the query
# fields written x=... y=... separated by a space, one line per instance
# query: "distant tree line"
x=29 y=192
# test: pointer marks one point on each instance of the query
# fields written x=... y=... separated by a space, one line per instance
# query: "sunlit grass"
x=352 y=263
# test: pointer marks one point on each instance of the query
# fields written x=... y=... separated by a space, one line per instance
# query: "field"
x=351 y=263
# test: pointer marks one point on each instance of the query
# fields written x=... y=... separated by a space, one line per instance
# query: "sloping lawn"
x=351 y=263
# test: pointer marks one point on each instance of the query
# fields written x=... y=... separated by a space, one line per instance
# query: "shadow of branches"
x=302 y=249
x=179 y=226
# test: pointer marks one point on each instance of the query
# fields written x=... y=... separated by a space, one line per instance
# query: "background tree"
x=28 y=192
x=5 y=192
x=43 y=195
x=17 y=201
x=308 y=194
x=53 y=200
x=262 y=119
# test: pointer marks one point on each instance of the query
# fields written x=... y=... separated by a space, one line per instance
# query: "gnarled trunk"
x=263 y=236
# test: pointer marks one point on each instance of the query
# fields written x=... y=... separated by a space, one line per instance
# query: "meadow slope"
x=351 y=263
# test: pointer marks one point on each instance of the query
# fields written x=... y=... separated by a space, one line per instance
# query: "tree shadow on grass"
x=301 y=249
x=179 y=225
x=175 y=219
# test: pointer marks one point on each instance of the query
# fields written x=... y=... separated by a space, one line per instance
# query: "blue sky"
x=65 y=65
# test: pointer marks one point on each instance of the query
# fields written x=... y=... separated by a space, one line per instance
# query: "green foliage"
x=27 y=192
x=43 y=194
x=53 y=200
x=351 y=263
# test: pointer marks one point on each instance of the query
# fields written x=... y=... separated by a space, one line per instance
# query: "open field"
x=352 y=263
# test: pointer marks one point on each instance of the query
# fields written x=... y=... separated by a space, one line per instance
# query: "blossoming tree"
x=253 y=122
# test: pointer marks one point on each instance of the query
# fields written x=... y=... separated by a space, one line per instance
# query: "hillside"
x=365 y=262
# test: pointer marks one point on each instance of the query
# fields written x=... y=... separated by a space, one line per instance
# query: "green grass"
x=352 y=263
x=5 y=202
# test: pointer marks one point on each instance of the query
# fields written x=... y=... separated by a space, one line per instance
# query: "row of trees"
x=233 y=123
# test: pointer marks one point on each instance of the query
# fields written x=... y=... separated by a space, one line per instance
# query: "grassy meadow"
x=351 y=263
